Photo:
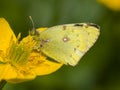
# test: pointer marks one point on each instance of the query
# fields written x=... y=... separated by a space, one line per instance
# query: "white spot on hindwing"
x=66 y=39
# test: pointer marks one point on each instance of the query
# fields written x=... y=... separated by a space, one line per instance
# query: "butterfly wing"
x=68 y=43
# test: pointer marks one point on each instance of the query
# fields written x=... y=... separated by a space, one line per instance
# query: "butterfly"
x=67 y=43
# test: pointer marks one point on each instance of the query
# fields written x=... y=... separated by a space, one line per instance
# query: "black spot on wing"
x=78 y=24
x=75 y=49
x=64 y=27
x=94 y=25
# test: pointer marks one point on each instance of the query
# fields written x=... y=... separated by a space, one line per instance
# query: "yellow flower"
x=112 y=4
x=18 y=61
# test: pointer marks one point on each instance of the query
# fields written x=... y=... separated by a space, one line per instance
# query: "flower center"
x=19 y=53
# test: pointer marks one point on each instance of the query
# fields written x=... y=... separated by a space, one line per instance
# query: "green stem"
x=2 y=84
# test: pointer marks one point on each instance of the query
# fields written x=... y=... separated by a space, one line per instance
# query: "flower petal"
x=13 y=75
x=6 y=34
x=112 y=4
x=40 y=65
x=47 y=67
x=21 y=77
x=7 y=72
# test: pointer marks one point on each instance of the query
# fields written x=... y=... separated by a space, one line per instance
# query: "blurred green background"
x=99 y=69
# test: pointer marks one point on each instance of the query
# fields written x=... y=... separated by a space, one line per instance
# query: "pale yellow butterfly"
x=69 y=42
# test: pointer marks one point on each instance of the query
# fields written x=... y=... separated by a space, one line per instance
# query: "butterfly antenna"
x=33 y=31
